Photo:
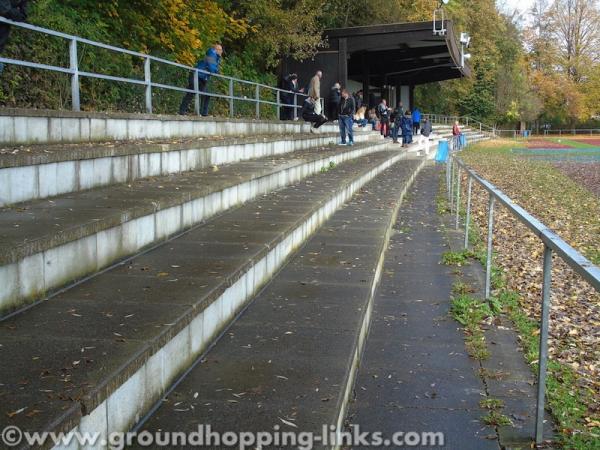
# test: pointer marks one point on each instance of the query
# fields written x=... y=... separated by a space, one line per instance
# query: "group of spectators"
x=343 y=107
x=348 y=109
x=398 y=122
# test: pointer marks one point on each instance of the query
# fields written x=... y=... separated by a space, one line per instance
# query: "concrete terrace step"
x=42 y=171
x=47 y=244
x=29 y=126
x=99 y=355
x=292 y=355
x=416 y=374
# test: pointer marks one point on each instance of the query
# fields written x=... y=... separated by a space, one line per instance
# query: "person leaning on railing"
x=13 y=10
x=289 y=83
x=210 y=63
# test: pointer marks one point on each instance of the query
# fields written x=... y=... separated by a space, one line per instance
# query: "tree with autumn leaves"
x=547 y=71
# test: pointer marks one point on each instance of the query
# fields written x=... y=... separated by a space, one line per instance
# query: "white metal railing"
x=75 y=73
x=573 y=131
x=552 y=244
x=463 y=120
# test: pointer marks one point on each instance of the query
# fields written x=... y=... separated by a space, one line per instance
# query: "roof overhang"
x=402 y=53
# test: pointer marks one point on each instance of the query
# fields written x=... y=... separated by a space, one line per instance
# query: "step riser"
x=125 y=406
x=28 y=127
x=20 y=184
x=366 y=320
x=41 y=272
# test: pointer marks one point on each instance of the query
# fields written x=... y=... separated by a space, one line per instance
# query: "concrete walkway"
x=415 y=374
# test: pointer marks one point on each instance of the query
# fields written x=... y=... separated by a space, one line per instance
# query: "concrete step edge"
x=339 y=388
x=38 y=269
x=27 y=126
x=97 y=406
x=49 y=173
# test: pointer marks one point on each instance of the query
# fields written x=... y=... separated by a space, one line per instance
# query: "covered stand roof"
x=404 y=53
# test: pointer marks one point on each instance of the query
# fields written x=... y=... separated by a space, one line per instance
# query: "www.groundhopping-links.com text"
x=204 y=436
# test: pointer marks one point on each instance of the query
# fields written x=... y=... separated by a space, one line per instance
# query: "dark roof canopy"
x=404 y=53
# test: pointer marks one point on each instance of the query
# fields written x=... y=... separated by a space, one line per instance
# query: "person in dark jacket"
x=15 y=10
x=347 y=108
x=289 y=83
x=407 y=129
x=309 y=115
x=426 y=131
x=358 y=99
x=396 y=120
x=210 y=64
x=335 y=97
x=383 y=112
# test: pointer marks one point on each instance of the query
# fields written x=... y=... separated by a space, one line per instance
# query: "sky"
x=523 y=6
x=510 y=5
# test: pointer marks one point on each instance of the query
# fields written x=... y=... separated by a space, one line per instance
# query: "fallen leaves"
x=574 y=214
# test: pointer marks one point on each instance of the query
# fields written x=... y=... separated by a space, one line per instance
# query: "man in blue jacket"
x=416 y=118
x=210 y=64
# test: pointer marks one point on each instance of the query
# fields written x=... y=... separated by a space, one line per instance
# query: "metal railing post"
x=451 y=198
x=257 y=96
x=458 y=180
x=468 y=218
x=75 y=101
x=448 y=178
x=490 y=238
x=295 y=106
x=197 y=93
x=543 y=357
x=231 y=112
x=278 y=105
x=148 y=81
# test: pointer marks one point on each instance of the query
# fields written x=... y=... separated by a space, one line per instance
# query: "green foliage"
x=495 y=419
x=491 y=403
x=456 y=258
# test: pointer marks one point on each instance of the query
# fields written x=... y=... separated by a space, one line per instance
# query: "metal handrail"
x=552 y=243
x=573 y=131
x=75 y=73
x=466 y=120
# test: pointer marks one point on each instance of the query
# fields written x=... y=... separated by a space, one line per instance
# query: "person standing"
x=314 y=87
x=289 y=83
x=426 y=131
x=358 y=100
x=314 y=90
x=383 y=113
x=347 y=108
x=309 y=114
x=210 y=64
x=335 y=98
x=396 y=118
x=456 y=132
x=407 y=129
x=15 y=10
x=416 y=118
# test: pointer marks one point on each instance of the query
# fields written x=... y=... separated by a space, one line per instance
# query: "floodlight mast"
x=438 y=14
x=465 y=42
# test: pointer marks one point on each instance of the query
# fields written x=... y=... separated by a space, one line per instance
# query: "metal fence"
x=573 y=132
x=148 y=60
x=552 y=244
x=464 y=121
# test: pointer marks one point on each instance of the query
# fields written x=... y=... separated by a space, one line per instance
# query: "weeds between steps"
x=563 y=400
x=327 y=168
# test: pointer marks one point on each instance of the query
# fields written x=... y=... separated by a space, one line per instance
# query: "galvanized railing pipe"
x=75 y=74
x=553 y=244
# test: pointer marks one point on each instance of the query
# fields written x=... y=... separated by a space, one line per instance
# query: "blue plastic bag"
x=442 y=151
